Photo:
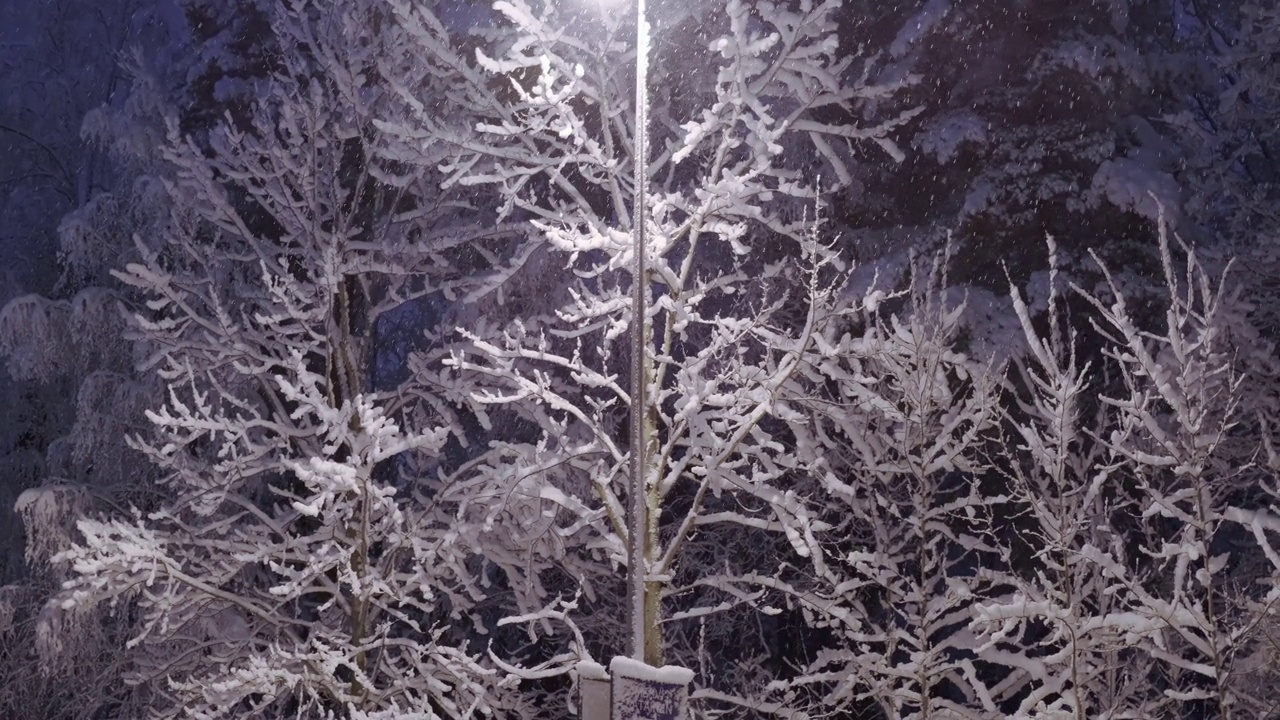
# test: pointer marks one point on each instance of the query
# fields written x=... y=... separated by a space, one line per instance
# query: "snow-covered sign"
x=644 y=692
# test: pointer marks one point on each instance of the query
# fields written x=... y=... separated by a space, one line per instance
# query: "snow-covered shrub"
x=1063 y=642
x=896 y=423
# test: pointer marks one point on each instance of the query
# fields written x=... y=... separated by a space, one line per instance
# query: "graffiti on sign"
x=642 y=692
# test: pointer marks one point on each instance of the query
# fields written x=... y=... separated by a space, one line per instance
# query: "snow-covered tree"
x=288 y=564
x=1137 y=597
x=60 y=63
x=1064 y=119
x=68 y=195
x=770 y=99
x=1233 y=142
x=897 y=420
x=1176 y=432
x=1064 y=642
x=1092 y=562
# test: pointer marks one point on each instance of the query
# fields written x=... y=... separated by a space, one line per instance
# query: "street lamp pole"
x=639 y=338
x=634 y=687
x=636 y=691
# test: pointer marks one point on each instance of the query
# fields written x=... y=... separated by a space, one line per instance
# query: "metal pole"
x=639 y=441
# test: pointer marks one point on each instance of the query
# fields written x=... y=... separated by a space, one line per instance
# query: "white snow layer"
x=943 y=136
x=917 y=27
x=1136 y=186
x=667 y=674
x=589 y=670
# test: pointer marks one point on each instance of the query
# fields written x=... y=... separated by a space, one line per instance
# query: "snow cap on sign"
x=667 y=674
x=590 y=670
